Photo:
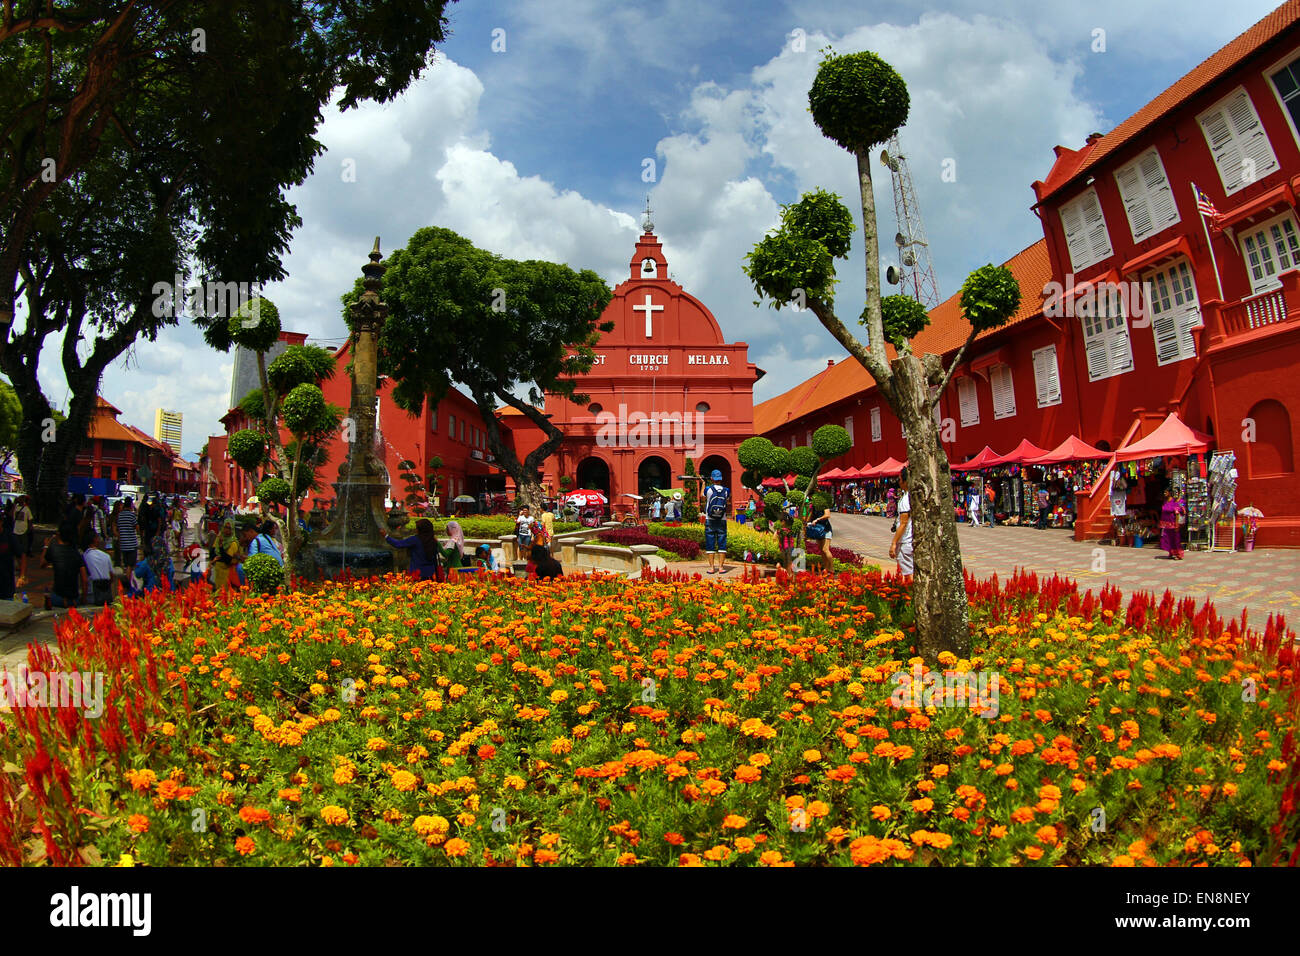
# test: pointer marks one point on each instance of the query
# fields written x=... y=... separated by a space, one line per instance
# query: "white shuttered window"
x=1175 y=311
x=1270 y=250
x=1085 y=231
x=1106 y=343
x=1148 y=197
x=1004 y=393
x=875 y=424
x=848 y=426
x=1237 y=141
x=1047 y=377
x=968 y=401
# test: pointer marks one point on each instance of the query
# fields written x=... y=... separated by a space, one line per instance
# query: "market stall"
x=1145 y=469
x=880 y=488
x=1057 y=477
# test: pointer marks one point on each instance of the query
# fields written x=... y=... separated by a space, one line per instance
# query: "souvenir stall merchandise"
x=1138 y=487
x=1222 y=517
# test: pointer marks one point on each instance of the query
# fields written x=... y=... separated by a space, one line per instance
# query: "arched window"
x=1270 y=454
x=595 y=408
x=702 y=407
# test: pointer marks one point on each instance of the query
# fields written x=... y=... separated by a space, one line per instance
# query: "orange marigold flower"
x=1034 y=852
x=333 y=815
x=546 y=856
x=674 y=839
x=770 y=857
x=924 y=805
x=245 y=845
x=404 y=780
x=1046 y=835
x=998 y=832
x=456 y=847
x=718 y=853
x=747 y=774
x=626 y=859
x=138 y=822
x=689 y=859
x=255 y=815
x=734 y=822
x=812 y=756
x=880 y=812
x=1122 y=861
x=1022 y=815
x=744 y=844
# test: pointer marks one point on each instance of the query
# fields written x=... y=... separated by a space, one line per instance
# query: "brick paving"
x=1259 y=582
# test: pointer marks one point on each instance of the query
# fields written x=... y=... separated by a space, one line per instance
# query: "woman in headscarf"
x=424 y=550
x=226 y=553
x=454 y=554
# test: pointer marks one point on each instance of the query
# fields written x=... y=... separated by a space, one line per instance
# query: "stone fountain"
x=354 y=540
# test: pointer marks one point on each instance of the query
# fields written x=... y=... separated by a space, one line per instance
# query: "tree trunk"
x=269 y=403
x=938 y=587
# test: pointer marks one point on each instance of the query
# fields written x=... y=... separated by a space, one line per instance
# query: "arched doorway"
x=652 y=473
x=708 y=465
x=593 y=473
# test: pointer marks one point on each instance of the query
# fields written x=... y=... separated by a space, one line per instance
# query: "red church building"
x=1144 y=297
x=666 y=386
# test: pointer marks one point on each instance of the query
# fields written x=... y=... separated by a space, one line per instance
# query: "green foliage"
x=831 y=441
x=823 y=218
x=256 y=325
x=749 y=480
x=248 y=448
x=273 y=491
x=494 y=526
x=804 y=461
x=773 y=503
x=304 y=410
x=740 y=538
x=566 y=482
x=753 y=453
x=902 y=316
x=858 y=100
x=989 y=296
x=785 y=268
x=254 y=405
x=796 y=497
x=781 y=465
x=264 y=573
x=300 y=365
x=821 y=501
x=11 y=416
x=690 y=495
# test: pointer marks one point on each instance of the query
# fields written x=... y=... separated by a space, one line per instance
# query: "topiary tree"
x=264 y=573
x=248 y=448
x=859 y=102
x=273 y=490
x=310 y=419
x=691 y=503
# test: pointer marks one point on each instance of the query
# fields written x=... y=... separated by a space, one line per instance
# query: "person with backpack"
x=716 y=499
x=787 y=541
x=264 y=543
x=525 y=529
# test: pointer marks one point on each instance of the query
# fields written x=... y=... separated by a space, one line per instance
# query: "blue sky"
x=537 y=150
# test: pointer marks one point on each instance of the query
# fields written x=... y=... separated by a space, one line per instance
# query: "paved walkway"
x=1260 y=582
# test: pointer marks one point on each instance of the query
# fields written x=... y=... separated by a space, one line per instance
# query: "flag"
x=1204 y=205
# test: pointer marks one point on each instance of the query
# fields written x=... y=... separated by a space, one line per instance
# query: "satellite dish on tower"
x=899 y=240
x=909 y=260
x=893 y=276
x=888 y=160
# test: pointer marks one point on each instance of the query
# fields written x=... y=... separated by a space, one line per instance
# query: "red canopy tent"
x=851 y=474
x=1072 y=449
x=1020 y=454
x=777 y=483
x=1173 y=437
x=889 y=468
x=985 y=458
x=835 y=474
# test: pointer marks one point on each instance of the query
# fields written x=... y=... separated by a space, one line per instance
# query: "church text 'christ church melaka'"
x=665 y=386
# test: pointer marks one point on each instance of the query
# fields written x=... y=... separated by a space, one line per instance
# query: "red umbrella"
x=889 y=468
x=586 y=498
x=982 y=460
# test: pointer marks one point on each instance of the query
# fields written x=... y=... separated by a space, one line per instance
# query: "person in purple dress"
x=1171 y=539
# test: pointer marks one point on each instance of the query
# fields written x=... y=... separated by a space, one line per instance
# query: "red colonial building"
x=666 y=386
x=452 y=431
x=1135 y=305
x=117 y=451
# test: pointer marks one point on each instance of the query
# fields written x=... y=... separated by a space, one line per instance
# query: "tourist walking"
x=62 y=555
x=223 y=556
x=13 y=562
x=973 y=508
x=128 y=540
x=264 y=543
x=818 y=535
x=900 y=548
x=524 y=530
x=99 y=569
x=716 y=498
x=424 y=548
x=1171 y=538
x=23 y=523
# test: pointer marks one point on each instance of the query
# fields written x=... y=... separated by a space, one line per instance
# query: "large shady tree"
x=460 y=314
x=859 y=102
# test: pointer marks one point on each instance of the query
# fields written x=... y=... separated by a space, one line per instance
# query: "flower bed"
x=684 y=547
x=666 y=721
x=740 y=538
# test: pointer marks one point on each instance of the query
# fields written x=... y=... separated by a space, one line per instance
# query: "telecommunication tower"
x=914 y=274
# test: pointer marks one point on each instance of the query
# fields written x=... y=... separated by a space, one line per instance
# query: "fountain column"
x=355 y=538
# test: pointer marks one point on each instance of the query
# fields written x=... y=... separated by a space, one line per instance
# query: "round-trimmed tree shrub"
x=274 y=490
x=989 y=296
x=831 y=441
x=902 y=317
x=804 y=461
x=303 y=409
x=772 y=502
x=256 y=324
x=858 y=100
x=248 y=448
x=821 y=501
x=264 y=573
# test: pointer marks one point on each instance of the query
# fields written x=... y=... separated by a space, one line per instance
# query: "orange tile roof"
x=945 y=333
x=948 y=328
x=1069 y=166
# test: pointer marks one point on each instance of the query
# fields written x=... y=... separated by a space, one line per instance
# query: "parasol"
x=1250 y=511
x=464 y=500
x=586 y=497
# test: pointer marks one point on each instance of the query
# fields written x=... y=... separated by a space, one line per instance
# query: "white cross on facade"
x=649 y=309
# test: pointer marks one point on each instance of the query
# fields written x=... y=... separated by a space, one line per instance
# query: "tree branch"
x=956 y=360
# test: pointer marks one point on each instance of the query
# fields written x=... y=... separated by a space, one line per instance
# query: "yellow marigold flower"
x=561 y=745
x=345 y=774
x=734 y=822
x=404 y=780
x=559 y=696
x=376 y=744
x=334 y=816
x=316 y=690
x=456 y=846
x=430 y=825
x=330 y=716
x=465 y=818
x=126 y=859
x=812 y=756
x=168 y=729
x=456 y=692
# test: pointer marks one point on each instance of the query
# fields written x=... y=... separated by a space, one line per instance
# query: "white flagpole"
x=1196 y=198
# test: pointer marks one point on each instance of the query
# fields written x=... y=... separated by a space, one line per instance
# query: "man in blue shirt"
x=717 y=497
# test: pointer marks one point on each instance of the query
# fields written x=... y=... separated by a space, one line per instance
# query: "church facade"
x=666 y=386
